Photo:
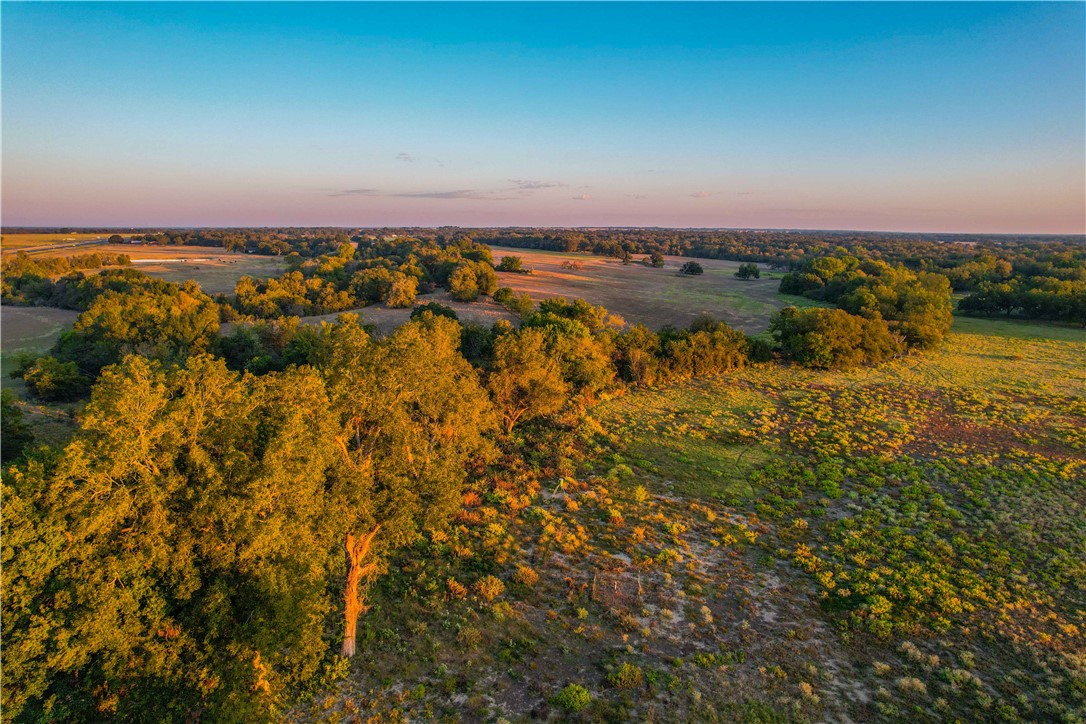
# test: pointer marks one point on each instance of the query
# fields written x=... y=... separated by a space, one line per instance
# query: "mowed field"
x=28 y=329
x=213 y=269
x=653 y=297
x=21 y=242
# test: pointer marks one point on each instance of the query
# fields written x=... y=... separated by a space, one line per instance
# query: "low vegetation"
x=850 y=517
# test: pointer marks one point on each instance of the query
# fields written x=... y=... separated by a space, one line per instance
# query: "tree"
x=525 y=381
x=434 y=308
x=511 y=264
x=172 y=558
x=15 y=434
x=412 y=423
x=655 y=259
x=691 y=268
x=55 y=381
x=402 y=292
x=115 y=239
x=832 y=338
x=463 y=284
x=748 y=271
x=169 y=324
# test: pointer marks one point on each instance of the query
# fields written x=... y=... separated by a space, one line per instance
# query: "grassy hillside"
x=904 y=542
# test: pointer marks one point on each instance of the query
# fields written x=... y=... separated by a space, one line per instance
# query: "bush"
x=748 y=271
x=692 y=268
x=627 y=676
x=573 y=698
x=488 y=588
x=655 y=260
x=526 y=576
x=511 y=264
x=438 y=310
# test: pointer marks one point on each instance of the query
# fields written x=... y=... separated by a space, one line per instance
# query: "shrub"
x=511 y=264
x=573 y=698
x=438 y=310
x=526 y=576
x=489 y=587
x=456 y=589
x=627 y=676
x=692 y=268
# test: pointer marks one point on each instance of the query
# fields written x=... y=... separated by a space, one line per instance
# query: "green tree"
x=15 y=434
x=832 y=338
x=511 y=264
x=691 y=268
x=413 y=421
x=748 y=271
x=525 y=380
x=169 y=325
x=172 y=559
x=54 y=381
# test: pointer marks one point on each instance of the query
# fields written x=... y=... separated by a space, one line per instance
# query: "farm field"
x=11 y=243
x=653 y=297
x=29 y=329
x=777 y=544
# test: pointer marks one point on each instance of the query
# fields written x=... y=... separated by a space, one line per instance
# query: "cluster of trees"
x=393 y=272
x=914 y=306
x=28 y=280
x=1032 y=297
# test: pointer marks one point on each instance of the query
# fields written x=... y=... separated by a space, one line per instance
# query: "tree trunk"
x=356 y=550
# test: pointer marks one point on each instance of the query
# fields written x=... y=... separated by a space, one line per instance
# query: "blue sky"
x=897 y=116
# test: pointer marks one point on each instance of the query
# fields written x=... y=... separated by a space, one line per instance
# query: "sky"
x=942 y=117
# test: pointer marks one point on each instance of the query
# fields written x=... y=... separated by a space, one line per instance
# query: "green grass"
x=1018 y=328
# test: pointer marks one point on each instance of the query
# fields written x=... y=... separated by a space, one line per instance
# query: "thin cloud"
x=405 y=157
x=700 y=195
x=357 y=192
x=530 y=185
x=582 y=197
x=469 y=194
x=636 y=196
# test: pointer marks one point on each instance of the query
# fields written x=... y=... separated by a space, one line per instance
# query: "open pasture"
x=11 y=243
x=932 y=505
x=653 y=297
x=213 y=269
x=28 y=329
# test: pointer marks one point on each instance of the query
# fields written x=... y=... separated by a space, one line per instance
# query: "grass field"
x=779 y=544
x=17 y=242
x=653 y=297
